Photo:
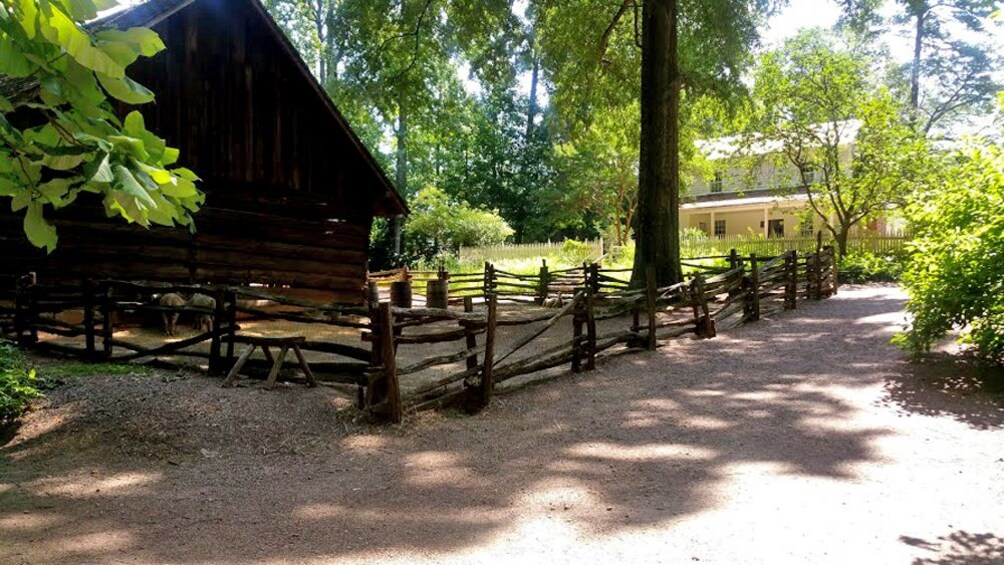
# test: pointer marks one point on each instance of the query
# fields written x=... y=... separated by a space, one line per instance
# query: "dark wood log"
x=487 y=366
x=389 y=362
x=650 y=305
x=469 y=335
x=440 y=360
x=754 y=295
x=590 y=329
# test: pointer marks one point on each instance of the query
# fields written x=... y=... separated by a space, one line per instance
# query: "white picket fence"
x=477 y=255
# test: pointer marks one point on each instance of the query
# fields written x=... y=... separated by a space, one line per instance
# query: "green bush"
x=956 y=273
x=864 y=266
x=17 y=383
x=577 y=252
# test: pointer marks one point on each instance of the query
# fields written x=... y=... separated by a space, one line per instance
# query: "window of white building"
x=719 y=228
x=717 y=183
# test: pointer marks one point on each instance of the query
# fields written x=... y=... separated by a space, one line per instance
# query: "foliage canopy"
x=60 y=135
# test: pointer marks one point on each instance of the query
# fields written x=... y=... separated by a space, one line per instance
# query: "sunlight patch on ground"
x=28 y=522
x=437 y=468
x=643 y=452
x=93 y=485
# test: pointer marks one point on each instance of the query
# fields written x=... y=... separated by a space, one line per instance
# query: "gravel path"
x=802 y=439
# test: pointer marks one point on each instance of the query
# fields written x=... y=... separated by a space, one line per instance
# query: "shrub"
x=577 y=252
x=956 y=273
x=17 y=383
x=864 y=266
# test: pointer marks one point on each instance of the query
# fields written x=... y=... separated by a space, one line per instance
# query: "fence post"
x=390 y=389
x=487 y=378
x=578 y=320
x=705 y=325
x=470 y=338
x=819 y=266
x=231 y=298
x=754 y=313
x=834 y=271
x=733 y=259
x=489 y=286
x=107 y=315
x=590 y=332
x=791 y=288
x=650 y=306
x=216 y=341
x=88 y=286
x=544 y=280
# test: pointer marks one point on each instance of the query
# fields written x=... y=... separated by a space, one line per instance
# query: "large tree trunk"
x=842 y=236
x=918 y=45
x=531 y=112
x=401 y=167
x=658 y=214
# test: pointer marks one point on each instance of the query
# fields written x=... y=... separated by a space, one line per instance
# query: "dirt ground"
x=805 y=438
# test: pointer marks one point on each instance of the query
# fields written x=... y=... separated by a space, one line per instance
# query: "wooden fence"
x=745 y=245
x=749 y=287
x=478 y=255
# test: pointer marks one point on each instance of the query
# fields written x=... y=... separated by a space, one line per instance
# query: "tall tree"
x=842 y=140
x=949 y=74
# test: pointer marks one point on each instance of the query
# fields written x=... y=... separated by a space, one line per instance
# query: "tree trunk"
x=918 y=45
x=658 y=214
x=842 y=236
x=531 y=112
x=401 y=167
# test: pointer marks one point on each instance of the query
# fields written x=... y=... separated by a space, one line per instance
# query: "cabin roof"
x=152 y=12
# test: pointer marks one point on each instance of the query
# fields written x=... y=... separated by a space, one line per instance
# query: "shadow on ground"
x=644 y=440
x=960 y=548
x=951 y=385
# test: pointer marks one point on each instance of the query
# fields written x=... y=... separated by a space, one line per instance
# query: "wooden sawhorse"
x=266 y=343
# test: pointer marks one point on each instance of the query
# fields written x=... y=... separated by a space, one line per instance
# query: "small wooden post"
x=231 y=298
x=791 y=286
x=491 y=280
x=733 y=259
x=107 y=315
x=578 y=320
x=754 y=288
x=470 y=338
x=818 y=271
x=650 y=306
x=25 y=310
x=594 y=278
x=705 y=325
x=88 y=288
x=401 y=293
x=388 y=358
x=833 y=272
x=544 y=280
x=590 y=332
x=216 y=341
x=487 y=378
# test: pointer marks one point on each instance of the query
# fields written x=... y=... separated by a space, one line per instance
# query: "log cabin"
x=291 y=191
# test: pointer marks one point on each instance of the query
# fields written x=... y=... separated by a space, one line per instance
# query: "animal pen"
x=495 y=327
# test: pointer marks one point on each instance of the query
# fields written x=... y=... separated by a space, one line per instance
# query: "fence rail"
x=468 y=374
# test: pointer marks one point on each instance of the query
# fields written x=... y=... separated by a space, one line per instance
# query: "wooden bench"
x=266 y=343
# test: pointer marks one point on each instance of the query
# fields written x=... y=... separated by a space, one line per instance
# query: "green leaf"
x=127 y=183
x=60 y=29
x=21 y=199
x=179 y=188
x=126 y=89
x=12 y=61
x=39 y=231
x=55 y=191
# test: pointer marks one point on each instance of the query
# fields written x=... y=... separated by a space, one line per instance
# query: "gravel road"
x=806 y=438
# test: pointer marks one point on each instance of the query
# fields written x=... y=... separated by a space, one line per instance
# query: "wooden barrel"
x=400 y=294
x=437 y=294
x=372 y=294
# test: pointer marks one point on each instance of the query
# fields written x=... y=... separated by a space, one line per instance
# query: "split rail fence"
x=385 y=372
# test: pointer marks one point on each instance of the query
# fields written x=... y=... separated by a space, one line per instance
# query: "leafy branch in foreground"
x=59 y=134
